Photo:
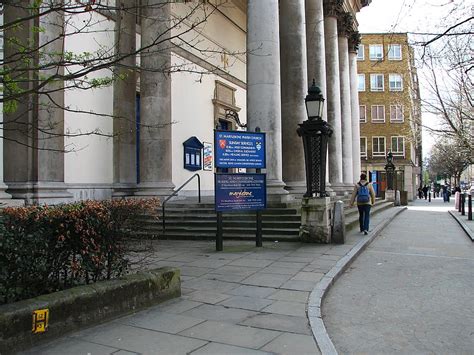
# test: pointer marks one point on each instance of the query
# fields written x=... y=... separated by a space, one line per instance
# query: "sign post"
x=236 y=192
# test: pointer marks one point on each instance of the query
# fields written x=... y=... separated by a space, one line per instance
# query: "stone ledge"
x=84 y=306
x=463 y=224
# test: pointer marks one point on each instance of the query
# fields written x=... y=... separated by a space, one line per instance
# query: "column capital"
x=333 y=7
x=345 y=23
x=354 y=41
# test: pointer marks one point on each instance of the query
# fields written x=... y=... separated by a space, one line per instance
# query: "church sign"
x=235 y=149
x=240 y=192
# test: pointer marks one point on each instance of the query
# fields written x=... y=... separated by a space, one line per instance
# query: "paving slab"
x=269 y=280
x=244 y=302
x=308 y=276
x=207 y=297
x=178 y=305
x=71 y=346
x=253 y=291
x=291 y=344
x=160 y=321
x=219 y=313
x=298 y=285
x=290 y=295
x=279 y=322
x=288 y=308
x=232 y=334
x=220 y=349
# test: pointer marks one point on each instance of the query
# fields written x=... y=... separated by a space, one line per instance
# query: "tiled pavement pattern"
x=244 y=300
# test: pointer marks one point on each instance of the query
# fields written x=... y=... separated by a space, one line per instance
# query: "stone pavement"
x=463 y=221
x=244 y=300
x=410 y=292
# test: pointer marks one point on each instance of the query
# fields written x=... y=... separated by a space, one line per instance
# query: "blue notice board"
x=240 y=192
x=236 y=149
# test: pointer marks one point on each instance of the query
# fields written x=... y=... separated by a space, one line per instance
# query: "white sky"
x=416 y=16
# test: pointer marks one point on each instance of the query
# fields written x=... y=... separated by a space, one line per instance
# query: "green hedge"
x=45 y=249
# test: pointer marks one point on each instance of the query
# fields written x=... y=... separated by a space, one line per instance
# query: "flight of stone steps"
x=193 y=221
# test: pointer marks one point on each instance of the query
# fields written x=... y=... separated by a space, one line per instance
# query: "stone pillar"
x=263 y=85
x=155 y=102
x=293 y=91
x=354 y=41
x=344 y=27
x=333 y=98
x=316 y=220
x=124 y=124
x=34 y=167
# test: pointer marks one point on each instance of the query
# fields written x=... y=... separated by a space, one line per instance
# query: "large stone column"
x=155 y=102
x=293 y=91
x=263 y=85
x=34 y=168
x=344 y=27
x=354 y=41
x=333 y=98
x=124 y=125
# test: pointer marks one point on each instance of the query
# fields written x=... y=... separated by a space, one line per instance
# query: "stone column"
x=354 y=41
x=344 y=27
x=155 y=102
x=263 y=85
x=124 y=124
x=333 y=99
x=34 y=167
x=293 y=91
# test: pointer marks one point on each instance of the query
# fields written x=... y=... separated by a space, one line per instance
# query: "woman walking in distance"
x=364 y=192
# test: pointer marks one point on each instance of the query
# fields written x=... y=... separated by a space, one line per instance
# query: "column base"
x=154 y=189
x=276 y=191
x=296 y=189
x=39 y=193
x=121 y=190
x=6 y=199
x=315 y=220
x=341 y=189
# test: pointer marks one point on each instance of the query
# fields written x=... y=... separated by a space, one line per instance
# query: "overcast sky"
x=412 y=16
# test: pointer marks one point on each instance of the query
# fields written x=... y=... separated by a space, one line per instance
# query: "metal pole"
x=469 y=207
x=463 y=202
x=429 y=196
x=219 y=236
x=459 y=202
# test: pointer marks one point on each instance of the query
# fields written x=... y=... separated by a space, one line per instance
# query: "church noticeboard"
x=235 y=149
x=192 y=154
x=240 y=192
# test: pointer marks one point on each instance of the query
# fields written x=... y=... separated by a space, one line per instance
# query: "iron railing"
x=175 y=193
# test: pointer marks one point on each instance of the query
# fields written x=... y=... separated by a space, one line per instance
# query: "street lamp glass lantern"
x=314 y=102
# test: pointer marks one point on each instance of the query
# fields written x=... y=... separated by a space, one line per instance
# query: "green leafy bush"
x=45 y=249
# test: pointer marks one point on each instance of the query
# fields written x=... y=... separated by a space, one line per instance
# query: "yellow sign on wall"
x=40 y=320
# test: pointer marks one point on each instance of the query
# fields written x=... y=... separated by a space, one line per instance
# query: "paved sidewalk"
x=463 y=221
x=244 y=300
x=410 y=292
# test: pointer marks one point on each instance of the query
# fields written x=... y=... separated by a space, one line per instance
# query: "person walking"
x=364 y=192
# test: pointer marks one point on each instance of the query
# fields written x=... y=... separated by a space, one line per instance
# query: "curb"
x=84 y=306
x=316 y=297
x=463 y=225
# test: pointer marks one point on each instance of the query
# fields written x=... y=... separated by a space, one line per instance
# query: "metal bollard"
x=469 y=208
x=429 y=196
x=463 y=202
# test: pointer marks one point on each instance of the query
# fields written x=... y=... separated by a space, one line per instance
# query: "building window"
x=360 y=52
x=362 y=114
x=377 y=113
x=394 y=52
x=378 y=146
x=398 y=146
x=376 y=52
x=395 y=82
x=376 y=82
x=363 y=147
x=361 y=82
x=396 y=113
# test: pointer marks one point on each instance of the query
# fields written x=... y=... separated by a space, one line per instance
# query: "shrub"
x=45 y=249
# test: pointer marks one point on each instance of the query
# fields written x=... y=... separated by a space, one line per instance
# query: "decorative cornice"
x=345 y=24
x=333 y=7
x=354 y=41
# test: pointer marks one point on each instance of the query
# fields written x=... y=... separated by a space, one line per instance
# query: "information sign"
x=240 y=192
x=236 y=149
x=207 y=156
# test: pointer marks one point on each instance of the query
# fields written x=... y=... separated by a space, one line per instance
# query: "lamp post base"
x=315 y=220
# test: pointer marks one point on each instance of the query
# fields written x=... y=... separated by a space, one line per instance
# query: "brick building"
x=390 y=115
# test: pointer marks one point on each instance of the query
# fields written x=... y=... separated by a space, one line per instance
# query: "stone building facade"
x=250 y=58
x=390 y=115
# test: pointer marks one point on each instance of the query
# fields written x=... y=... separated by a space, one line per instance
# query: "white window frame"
x=374 y=80
x=376 y=52
x=393 y=79
x=391 y=53
x=394 y=110
x=360 y=52
x=379 y=153
x=397 y=153
x=363 y=148
x=359 y=76
x=364 y=119
x=377 y=119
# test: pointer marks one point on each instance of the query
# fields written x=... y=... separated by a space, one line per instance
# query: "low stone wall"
x=84 y=306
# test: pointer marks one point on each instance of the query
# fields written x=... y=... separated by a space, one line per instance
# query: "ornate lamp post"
x=390 y=169
x=315 y=133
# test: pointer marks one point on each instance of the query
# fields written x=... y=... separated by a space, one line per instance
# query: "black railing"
x=175 y=193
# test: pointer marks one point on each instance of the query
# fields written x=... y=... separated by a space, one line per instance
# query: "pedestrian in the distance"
x=425 y=191
x=365 y=195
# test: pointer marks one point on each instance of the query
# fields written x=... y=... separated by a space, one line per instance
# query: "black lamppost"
x=390 y=169
x=315 y=133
